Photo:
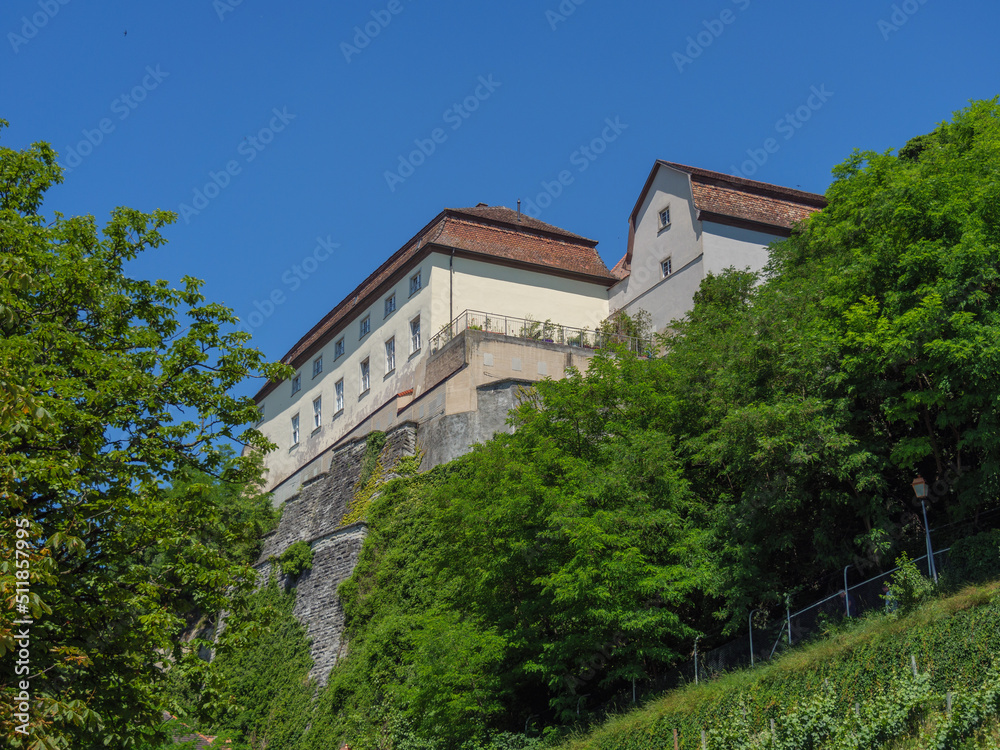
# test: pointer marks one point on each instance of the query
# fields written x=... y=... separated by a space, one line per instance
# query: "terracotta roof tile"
x=504 y=215
x=621 y=269
x=749 y=200
x=741 y=204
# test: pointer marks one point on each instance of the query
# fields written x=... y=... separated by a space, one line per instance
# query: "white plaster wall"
x=281 y=404
x=681 y=241
x=727 y=246
x=493 y=288
x=670 y=298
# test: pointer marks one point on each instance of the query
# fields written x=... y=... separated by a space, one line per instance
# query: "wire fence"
x=765 y=638
x=538 y=330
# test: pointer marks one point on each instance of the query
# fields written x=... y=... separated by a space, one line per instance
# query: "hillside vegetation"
x=855 y=689
x=507 y=598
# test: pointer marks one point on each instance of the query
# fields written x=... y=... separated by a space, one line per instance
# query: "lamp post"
x=920 y=489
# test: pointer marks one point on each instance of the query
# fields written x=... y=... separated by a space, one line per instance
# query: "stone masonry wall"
x=314 y=515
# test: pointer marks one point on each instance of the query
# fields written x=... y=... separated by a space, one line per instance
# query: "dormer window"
x=664 y=217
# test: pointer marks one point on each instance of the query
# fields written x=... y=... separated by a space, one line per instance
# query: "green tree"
x=111 y=388
x=536 y=576
x=865 y=353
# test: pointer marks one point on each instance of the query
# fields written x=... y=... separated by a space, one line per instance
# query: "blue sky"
x=305 y=115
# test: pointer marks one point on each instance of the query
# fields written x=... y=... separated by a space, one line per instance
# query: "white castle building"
x=485 y=299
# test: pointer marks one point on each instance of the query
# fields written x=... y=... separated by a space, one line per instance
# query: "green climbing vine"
x=373 y=476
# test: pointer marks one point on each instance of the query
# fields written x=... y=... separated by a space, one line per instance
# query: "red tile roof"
x=494 y=234
x=726 y=198
x=749 y=200
x=621 y=269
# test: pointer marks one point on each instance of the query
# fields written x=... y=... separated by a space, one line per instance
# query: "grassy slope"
x=954 y=639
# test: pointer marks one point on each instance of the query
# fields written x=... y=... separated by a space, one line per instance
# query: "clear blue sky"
x=191 y=86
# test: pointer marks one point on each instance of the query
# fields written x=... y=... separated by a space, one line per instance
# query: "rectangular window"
x=317 y=366
x=664 y=217
x=338 y=348
x=366 y=371
x=318 y=413
x=414 y=335
x=295 y=430
x=340 y=395
x=666 y=267
x=260 y=412
x=415 y=283
x=296 y=384
x=390 y=304
x=366 y=326
x=390 y=355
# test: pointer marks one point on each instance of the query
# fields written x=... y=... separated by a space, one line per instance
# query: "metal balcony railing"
x=538 y=330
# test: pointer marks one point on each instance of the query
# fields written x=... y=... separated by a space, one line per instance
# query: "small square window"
x=664 y=217
x=317 y=366
x=339 y=388
x=390 y=355
x=295 y=430
x=366 y=326
x=390 y=304
x=296 y=384
x=366 y=372
x=338 y=348
x=318 y=413
x=415 y=283
x=414 y=335
x=666 y=267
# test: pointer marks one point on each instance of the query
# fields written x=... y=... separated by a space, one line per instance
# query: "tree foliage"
x=640 y=503
x=867 y=352
x=111 y=389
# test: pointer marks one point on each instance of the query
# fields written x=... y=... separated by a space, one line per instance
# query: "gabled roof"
x=494 y=234
x=727 y=199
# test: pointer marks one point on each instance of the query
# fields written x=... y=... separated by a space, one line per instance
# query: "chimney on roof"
x=519 y=209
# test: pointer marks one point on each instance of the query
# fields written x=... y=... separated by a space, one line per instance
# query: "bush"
x=975 y=559
x=909 y=586
x=296 y=559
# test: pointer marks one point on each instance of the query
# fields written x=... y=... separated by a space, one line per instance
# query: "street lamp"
x=920 y=490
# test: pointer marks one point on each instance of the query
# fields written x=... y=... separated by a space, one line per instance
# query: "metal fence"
x=538 y=330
